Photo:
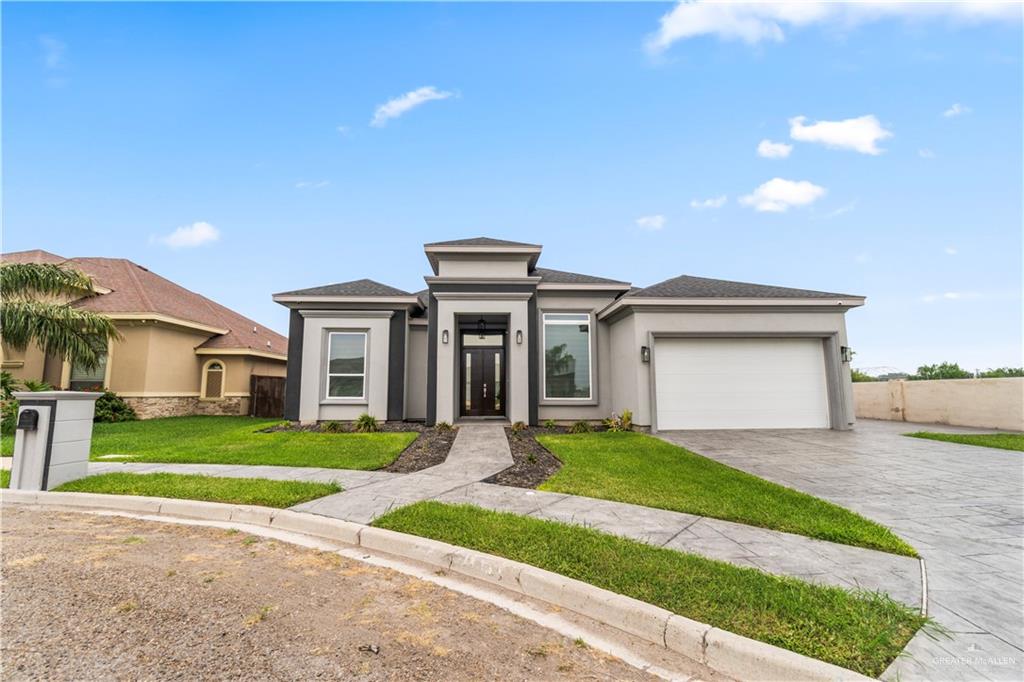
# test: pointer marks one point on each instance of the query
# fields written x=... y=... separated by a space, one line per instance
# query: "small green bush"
x=366 y=423
x=332 y=427
x=37 y=386
x=8 y=416
x=443 y=426
x=111 y=407
x=518 y=428
x=549 y=424
x=620 y=422
x=581 y=426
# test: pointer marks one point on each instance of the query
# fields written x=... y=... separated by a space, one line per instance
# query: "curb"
x=729 y=654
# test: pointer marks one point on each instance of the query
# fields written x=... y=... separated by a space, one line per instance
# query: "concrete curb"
x=727 y=653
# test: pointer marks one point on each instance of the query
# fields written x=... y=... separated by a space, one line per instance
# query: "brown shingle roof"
x=134 y=289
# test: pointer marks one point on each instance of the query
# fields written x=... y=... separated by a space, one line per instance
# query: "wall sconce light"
x=519 y=337
x=846 y=352
x=444 y=336
x=645 y=354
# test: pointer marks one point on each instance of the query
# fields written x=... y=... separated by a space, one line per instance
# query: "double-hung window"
x=568 y=369
x=346 y=365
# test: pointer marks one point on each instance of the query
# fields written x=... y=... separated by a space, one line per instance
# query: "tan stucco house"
x=494 y=336
x=180 y=353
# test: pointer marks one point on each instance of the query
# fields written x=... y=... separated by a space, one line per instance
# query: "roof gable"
x=481 y=241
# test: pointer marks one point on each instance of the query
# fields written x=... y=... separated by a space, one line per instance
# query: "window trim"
x=591 y=396
x=327 y=374
x=223 y=380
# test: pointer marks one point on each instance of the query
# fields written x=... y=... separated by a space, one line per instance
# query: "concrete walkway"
x=481 y=451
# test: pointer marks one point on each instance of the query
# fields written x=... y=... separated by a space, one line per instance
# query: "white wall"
x=313 y=405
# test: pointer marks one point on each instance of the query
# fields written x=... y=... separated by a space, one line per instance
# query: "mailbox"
x=28 y=420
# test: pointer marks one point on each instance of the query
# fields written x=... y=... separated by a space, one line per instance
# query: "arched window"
x=213 y=380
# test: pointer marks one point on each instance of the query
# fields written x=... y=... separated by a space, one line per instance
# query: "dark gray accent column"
x=293 y=382
x=534 y=358
x=431 y=359
x=396 y=366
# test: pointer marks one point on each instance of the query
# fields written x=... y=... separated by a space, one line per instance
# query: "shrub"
x=518 y=428
x=332 y=427
x=549 y=424
x=111 y=407
x=443 y=426
x=8 y=416
x=620 y=422
x=581 y=426
x=37 y=386
x=366 y=423
x=8 y=384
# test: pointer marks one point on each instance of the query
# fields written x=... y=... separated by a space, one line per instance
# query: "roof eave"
x=725 y=302
x=241 y=351
x=285 y=299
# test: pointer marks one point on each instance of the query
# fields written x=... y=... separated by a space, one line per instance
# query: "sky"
x=245 y=149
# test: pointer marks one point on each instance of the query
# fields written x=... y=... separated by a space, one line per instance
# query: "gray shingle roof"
x=563 y=277
x=359 y=287
x=481 y=241
x=686 y=286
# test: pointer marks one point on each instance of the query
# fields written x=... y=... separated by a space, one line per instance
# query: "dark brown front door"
x=483 y=382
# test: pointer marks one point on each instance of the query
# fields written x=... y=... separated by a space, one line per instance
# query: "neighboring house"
x=180 y=353
x=496 y=337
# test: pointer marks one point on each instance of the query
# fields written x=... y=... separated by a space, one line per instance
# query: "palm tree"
x=31 y=313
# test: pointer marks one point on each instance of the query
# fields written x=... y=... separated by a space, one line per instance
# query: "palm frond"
x=29 y=280
x=57 y=329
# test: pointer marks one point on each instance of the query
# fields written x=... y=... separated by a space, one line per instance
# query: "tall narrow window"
x=567 y=362
x=213 y=380
x=89 y=379
x=346 y=365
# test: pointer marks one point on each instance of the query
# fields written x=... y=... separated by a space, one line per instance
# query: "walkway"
x=480 y=451
x=961 y=506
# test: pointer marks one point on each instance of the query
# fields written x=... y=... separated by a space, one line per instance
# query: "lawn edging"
x=725 y=652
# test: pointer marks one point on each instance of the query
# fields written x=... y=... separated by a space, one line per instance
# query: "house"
x=494 y=336
x=180 y=353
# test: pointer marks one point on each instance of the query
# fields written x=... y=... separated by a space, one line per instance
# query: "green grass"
x=640 y=469
x=860 y=631
x=1003 y=441
x=5 y=478
x=235 y=440
x=257 y=491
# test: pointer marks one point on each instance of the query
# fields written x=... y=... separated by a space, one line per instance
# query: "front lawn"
x=258 y=491
x=236 y=440
x=1003 y=441
x=860 y=631
x=641 y=469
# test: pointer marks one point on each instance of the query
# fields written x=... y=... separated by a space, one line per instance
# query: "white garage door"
x=740 y=384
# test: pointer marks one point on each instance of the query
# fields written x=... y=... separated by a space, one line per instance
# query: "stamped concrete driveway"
x=960 y=506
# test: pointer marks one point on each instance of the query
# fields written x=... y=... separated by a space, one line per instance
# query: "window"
x=213 y=380
x=83 y=379
x=567 y=367
x=346 y=365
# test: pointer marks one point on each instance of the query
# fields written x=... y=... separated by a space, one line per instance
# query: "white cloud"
x=394 y=108
x=189 y=236
x=651 y=222
x=756 y=22
x=53 y=51
x=956 y=110
x=950 y=296
x=713 y=202
x=310 y=184
x=926 y=153
x=950 y=251
x=773 y=150
x=859 y=134
x=779 y=195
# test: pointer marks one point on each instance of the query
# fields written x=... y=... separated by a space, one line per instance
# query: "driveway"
x=961 y=506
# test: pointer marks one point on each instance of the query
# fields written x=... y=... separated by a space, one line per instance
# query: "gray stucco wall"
x=416 y=374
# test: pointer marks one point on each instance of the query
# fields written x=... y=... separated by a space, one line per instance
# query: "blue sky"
x=597 y=130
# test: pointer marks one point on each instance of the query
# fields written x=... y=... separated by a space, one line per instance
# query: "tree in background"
x=857 y=375
x=945 y=370
x=1002 y=372
x=33 y=313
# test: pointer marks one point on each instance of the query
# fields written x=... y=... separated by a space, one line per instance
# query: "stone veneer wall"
x=153 y=408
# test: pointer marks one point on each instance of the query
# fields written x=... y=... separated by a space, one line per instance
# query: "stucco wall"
x=23 y=364
x=416 y=373
x=985 y=403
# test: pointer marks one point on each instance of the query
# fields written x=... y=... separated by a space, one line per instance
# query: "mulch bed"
x=533 y=463
x=430 y=449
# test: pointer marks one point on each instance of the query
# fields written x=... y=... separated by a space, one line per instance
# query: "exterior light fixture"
x=645 y=354
x=519 y=337
x=444 y=336
x=846 y=352
x=481 y=328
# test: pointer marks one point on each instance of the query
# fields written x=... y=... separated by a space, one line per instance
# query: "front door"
x=483 y=382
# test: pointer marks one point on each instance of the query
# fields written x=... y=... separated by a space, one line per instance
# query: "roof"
x=32 y=256
x=562 y=277
x=135 y=290
x=481 y=241
x=686 y=286
x=358 y=287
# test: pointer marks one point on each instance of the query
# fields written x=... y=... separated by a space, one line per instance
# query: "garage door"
x=740 y=384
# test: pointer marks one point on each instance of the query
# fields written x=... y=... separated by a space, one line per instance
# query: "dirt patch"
x=430 y=449
x=533 y=463
x=79 y=603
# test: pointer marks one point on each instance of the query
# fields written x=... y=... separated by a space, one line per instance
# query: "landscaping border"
x=722 y=651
